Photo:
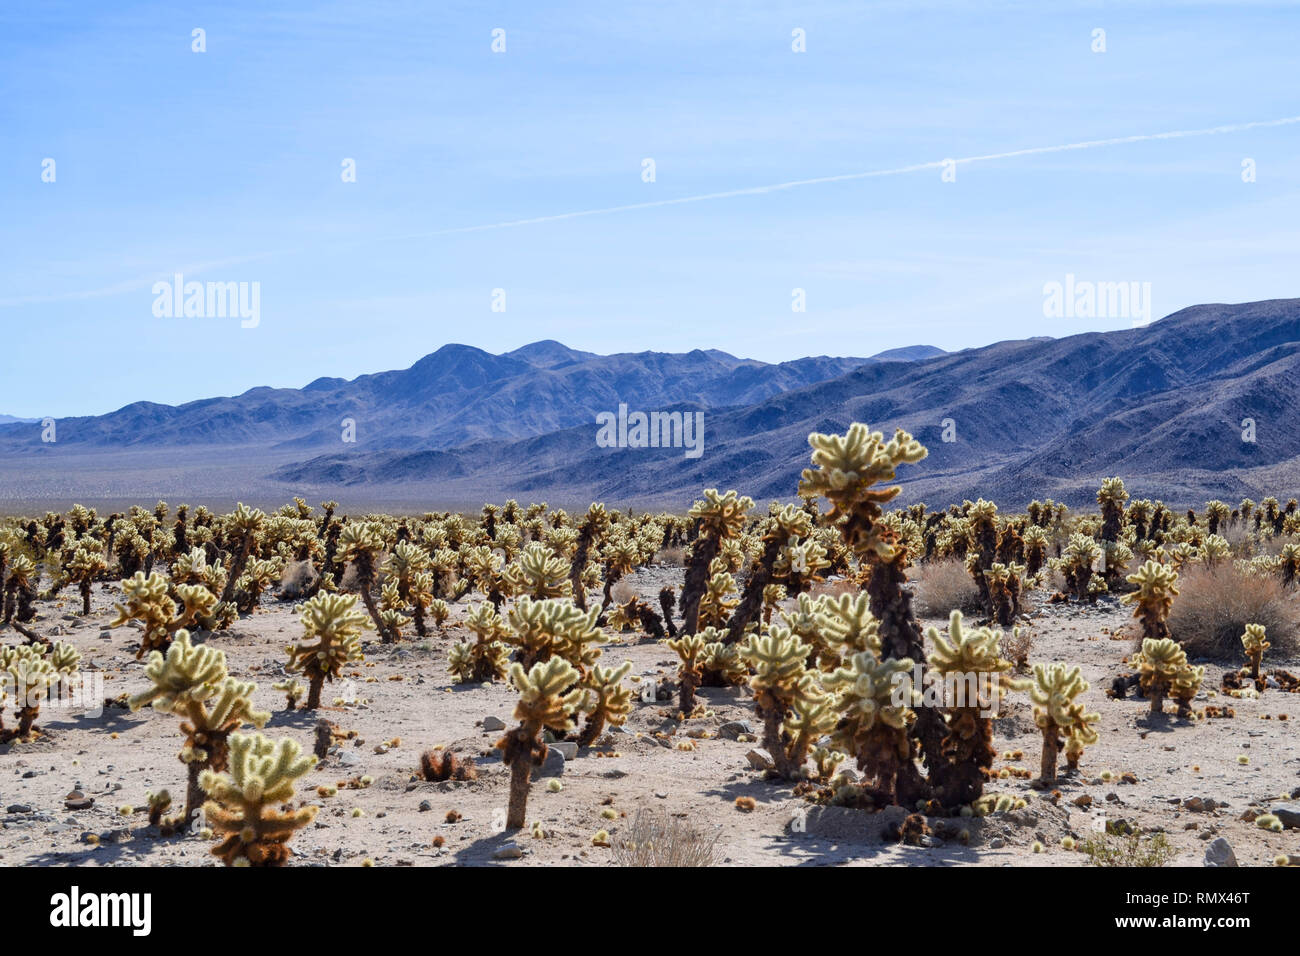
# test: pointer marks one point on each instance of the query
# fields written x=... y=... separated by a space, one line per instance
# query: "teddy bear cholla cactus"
x=84 y=567
x=548 y=698
x=1255 y=643
x=875 y=699
x=605 y=701
x=1058 y=714
x=332 y=626
x=486 y=657
x=1163 y=672
x=547 y=628
x=1154 y=597
x=538 y=574
x=854 y=472
x=242 y=804
x=719 y=518
x=793 y=707
x=30 y=670
x=147 y=601
x=360 y=543
x=191 y=682
x=976 y=676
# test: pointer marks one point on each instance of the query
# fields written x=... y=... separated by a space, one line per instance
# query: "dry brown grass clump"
x=1216 y=603
x=296 y=580
x=945 y=586
x=656 y=839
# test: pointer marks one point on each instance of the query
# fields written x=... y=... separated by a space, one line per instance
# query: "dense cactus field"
x=824 y=679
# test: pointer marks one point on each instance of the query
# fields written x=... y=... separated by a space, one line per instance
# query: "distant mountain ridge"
x=455 y=395
x=1201 y=404
x=1165 y=406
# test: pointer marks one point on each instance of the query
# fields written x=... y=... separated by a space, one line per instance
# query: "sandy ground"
x=404 y=692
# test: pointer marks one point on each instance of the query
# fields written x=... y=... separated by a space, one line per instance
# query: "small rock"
x=508 y=851
x=734 y=728
x=18 y=808
x=997 y=843
x=493 y=723
x=425 y=806
x=760 y=759
x=566 y=747
x=1289 y=816
x=1219 y=853
x=552 y=766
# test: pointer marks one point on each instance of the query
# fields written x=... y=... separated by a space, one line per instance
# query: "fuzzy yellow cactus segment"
x=486 y=657
x=548 y=696
x=548 y=628
x=1164 y=672
x=718 y=601
x=849 y=469
x=332 y=626
x=1082 y=733
x=723 y=515
x=721 y=663
x=1154 y=597
x=1255 y=643
x=875 y=698
x=539 y=574
x=690 y=648
x=847 y=624
x=147 y=601
x=813 y=714
x=606 y=701
x=1053 y=692
x=242 y=805
x=191 y=682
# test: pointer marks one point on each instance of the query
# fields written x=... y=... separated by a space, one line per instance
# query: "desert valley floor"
x=403 y=691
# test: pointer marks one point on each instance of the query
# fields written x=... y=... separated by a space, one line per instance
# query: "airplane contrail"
x=869 y=174
x=732 y=193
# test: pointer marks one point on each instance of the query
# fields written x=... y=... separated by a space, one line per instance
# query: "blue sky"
x=225 y=166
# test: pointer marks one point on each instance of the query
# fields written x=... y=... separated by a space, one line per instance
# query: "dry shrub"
x=835 y=587
x=1016 y=645
x=1215 y=604
x=944 y=586
x=296 y=580
x=671 y=557
x=656 y=839
x=622 y=592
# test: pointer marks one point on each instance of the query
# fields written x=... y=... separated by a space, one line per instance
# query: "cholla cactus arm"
x=606 y=701
x=812 y=714
x=187 y=672
x=547 y=699
x=847 y=624
x=542 y=629
x=539 y=574
x=1053 y=693
x=29 y=672
x=1255 y=643
x=332 y=626
x=243 y=802
x=1082 y=733
x=147 y=602
x=848 y=470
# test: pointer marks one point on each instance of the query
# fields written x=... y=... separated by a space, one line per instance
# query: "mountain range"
x=1203 y=403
